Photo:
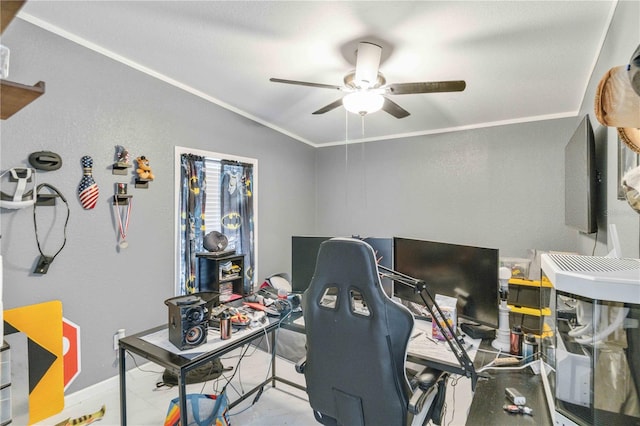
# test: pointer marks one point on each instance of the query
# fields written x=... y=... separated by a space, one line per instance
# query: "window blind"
x=212 y=190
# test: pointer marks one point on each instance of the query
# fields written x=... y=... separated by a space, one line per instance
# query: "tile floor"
x=284 y=405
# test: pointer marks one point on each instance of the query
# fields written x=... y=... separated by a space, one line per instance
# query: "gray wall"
x=500 y=187
x=622 y=40
x=91 y=104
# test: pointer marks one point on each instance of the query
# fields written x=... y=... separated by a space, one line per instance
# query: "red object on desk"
x=255 y=305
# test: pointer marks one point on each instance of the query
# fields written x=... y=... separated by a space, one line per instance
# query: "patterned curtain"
x=236 y=193
x=192 y=208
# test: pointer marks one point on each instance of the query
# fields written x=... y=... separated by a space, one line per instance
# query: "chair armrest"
x=427 y=378
x=301 y=364
x=424 y=389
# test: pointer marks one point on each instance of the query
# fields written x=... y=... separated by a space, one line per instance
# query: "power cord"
x=454 y=383
x=595 y=243
x=266 y=337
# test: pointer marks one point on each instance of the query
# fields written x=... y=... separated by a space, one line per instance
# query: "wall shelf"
x=14 y=96
x=121 y=199
x=9 y=9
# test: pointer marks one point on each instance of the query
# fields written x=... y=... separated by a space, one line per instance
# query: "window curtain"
x=236 y=190
x=192 y=226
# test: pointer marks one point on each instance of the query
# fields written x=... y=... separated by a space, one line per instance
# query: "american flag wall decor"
x=88 y=190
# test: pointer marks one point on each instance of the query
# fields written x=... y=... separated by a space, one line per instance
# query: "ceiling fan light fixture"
x=367 y=63
x=363 y=103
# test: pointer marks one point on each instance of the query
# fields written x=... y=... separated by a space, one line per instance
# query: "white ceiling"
x=522 y=60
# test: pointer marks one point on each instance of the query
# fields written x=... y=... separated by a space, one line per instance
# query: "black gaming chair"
x=357 y=341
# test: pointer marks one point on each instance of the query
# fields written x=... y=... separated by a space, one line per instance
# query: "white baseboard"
x=102 y=387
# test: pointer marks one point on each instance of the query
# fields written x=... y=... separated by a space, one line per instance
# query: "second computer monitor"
x=467 y=273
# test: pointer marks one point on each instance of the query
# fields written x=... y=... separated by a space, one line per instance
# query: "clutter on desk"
x=515 y=396
x=191 y=316
x=187 y=321
x=516 y=341
x=225 y=326
x=448 y=306
x=516 y=409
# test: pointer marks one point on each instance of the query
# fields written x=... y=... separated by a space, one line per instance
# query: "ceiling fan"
x=367 y=89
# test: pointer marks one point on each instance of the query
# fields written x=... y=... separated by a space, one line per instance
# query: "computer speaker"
x=188 y=318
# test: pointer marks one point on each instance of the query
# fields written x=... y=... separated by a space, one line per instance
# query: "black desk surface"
x=489 y=397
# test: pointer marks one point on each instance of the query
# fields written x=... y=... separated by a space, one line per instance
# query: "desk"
x=180 y=363
x=486 y=407
x=489 y=397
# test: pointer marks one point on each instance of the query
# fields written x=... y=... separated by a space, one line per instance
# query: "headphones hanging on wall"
x=21 y=197
x=45 y=261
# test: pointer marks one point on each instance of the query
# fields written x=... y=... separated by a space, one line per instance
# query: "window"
x=214 y=192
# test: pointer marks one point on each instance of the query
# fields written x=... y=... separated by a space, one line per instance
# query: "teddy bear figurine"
x=143 y=170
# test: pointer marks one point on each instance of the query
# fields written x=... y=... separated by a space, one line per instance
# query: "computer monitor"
x=383 y=247
x=304 y=252
x=468 y=273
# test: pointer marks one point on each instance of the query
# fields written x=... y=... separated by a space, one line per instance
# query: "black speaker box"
x=188 y=319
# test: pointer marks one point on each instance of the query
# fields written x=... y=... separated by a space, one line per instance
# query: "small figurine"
x=143 y=170
x=88 y=190
x=122 y=156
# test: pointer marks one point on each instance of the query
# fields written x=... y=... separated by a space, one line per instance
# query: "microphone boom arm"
x=420 y=287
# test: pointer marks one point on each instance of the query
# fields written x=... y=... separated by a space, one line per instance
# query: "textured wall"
x=499 y=187
x=92 y=104
x=622 y=40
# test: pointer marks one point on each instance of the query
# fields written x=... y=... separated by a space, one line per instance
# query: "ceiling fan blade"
x=394 y=109
x=327 y=108
x=306 y=83
x=367 y=64
x=427 y=87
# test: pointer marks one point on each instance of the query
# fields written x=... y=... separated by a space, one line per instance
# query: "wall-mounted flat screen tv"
x=580 y=179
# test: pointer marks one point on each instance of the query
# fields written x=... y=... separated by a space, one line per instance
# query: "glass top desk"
x=154 y=346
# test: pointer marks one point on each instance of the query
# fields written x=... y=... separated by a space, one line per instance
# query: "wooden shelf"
x=16 y=96
x=8 y=9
